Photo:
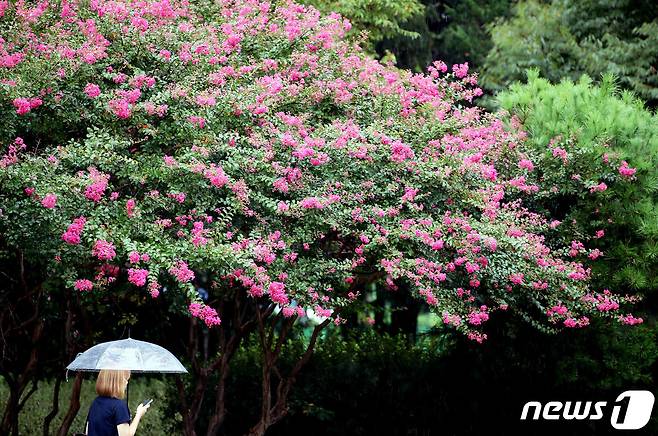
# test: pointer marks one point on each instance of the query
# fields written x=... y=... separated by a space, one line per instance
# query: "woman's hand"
x=141 y=410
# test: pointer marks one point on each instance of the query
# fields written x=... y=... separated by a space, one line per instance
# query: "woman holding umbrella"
x=109 y=414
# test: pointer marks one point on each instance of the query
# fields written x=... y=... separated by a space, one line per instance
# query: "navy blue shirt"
x=105 y=413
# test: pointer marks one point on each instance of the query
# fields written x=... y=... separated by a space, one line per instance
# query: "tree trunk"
x=271 y=414
x=74 y=406
x=10 y=416
x=16 y=388
x=55 y=409
x=264 y=422
x=191 y=413
x=217 y=419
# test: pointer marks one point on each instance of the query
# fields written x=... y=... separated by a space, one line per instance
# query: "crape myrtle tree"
x=148 y=143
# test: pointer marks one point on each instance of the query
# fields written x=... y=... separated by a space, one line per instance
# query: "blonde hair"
x=112 y=382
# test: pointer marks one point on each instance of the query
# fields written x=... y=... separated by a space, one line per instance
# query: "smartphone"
x=147 y=402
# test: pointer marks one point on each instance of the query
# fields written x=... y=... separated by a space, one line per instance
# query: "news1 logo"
x=630 y=411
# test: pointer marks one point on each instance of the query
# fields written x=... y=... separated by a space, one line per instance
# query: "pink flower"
x=560 y=152
x=120 y=108
x=570 y=322
x=154 y=289
x=133 y=257
x=596 y=253
x=130 y=208
x=526 y=164
x=198 y=121
x=625 y=171
x=311 y=203
x=477 y=337
x=630 y=320
x=103 y=250
x=95 y=191
x=600 y=234
x=321 y=312
x=207 y=101
x=454 y=320
x=49 y=201
x=460 y=70
x=24 y=105
x=206 y=313
x=558 y=309
x=477 y=318
x=92 y=90
x=83 y=285
x=72 y=234
x=401 y=152
x=137 y=276
x=489 y=172
x=277 y=293
x=607 y=305
x=217 y=176
x=130 y=96
x=182 y=273
x=281 y=185
x=491 y=243
x=516 y=278
x=600 y=187
x=409 y=194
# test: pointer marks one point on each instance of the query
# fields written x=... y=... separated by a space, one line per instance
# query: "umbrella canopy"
x=137 y=356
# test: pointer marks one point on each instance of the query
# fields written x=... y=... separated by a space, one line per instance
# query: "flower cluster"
x=206 y=313
x=73 y=231
x=103 y=250
x=181 y=271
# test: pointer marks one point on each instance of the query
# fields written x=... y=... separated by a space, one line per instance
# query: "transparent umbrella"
x=137 y=356
x=131 y=354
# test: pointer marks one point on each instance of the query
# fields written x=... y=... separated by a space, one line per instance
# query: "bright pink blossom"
x=24 y=105
x=83 y=285
x=120 y=107
x=526 y=164
x=92 y=90
x=278 y=294
x=72 y=234
x=182 y=273
x=625 y=171
x=133 y=257
x=130 y=208
x=137 y=276
x=49 y=201
x=516 y=278
x=103 y=250
x=206 y=313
